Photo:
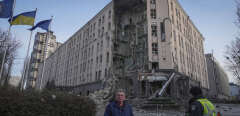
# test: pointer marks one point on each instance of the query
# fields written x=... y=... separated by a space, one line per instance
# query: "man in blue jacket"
x=119 y=107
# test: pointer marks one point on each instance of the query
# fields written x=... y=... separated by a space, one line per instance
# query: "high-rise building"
x=126 y=40
x=39 y=54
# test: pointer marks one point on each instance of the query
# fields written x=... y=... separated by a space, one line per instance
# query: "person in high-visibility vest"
x=200 y=106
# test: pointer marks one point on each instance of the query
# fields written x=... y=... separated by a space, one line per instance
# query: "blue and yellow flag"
x=26 y=18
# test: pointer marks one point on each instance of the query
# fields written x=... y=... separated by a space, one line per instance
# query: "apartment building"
x=39 y=54
x=126 y=40
x=218 y=79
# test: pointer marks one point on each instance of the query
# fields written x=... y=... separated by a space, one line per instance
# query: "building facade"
x=218 y=79
x=234 y=91
x=86 y=57
x=39 y=54
x=125 y=39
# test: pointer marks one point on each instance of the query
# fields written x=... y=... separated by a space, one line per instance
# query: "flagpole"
x=45 y=50
x=8 y=35
x=26 y=62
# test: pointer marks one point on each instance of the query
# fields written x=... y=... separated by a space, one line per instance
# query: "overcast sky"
x=214 y=19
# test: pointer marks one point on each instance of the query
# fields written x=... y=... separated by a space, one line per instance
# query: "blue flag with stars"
x=43 y=25
x=6 y=8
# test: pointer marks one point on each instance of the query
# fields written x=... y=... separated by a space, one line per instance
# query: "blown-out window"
x=153 y=14
x=155 y=48
x=154 y=30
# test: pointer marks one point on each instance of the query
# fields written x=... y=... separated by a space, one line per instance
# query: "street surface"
x=225 y=109
x=228 y=109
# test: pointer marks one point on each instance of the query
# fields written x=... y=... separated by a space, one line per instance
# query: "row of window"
x=184 y=26
x=162 y=31
x=83 y=78
x=83 y=68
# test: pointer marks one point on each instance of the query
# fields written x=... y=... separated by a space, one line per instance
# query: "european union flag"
x=26 y=18
x=43 y=25
x=6 y=8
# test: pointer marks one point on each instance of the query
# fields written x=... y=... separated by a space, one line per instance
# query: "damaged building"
x=147 y=47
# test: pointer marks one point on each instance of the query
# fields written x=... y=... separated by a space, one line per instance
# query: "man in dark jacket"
x=119 y=107
x=200 y=106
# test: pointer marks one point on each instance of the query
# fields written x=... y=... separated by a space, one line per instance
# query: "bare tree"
x=10 y=44
x=233 y=50
x=233 y=57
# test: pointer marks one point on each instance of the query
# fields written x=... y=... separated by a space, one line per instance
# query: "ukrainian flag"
x=26 y=18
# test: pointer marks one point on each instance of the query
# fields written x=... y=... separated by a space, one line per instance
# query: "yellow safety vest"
x=209 y=108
